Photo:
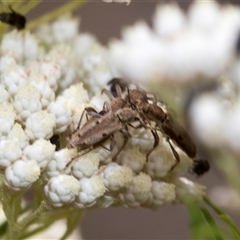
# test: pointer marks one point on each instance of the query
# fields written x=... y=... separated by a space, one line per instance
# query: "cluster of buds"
x=45 y=88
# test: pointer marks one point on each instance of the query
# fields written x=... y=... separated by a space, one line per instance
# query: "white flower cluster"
x=119 y=1
x=181 y=47
x=41 y=97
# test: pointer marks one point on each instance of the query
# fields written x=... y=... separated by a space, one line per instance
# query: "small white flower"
x=13 y=77
x=65 y=29
x=64 y=56
x=133 y=158
x=91 y=189
x=160 y=162
x=119 y=1
x=42 y=151
x=46 y=92
x=20 y=45
x=83 y=42
x=62 y=115
x=138 y=57
x=7 y=118
x=59 y=163
x=142 y=138
x=75 y=95
x=22 y=174
x=10 y=152
x=106 y=200
x=27 y=101
x=62 y=190
x=186 y=189
x=116 y=177
x=51 y=72
x=138 y=192
x=40 y=125
x=5 y=96
x=79 y=117
x=19 y=134
x=212 y=15
x=162 y=193
x=86 y=165
x=231 y=128
x=169 y=20
x=208 y=116
x=98 y=100
x=6 y=61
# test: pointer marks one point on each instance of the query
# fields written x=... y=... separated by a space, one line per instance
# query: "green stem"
x=9 y=207
x=54 y=14
x=225 y=217
x=43 y=208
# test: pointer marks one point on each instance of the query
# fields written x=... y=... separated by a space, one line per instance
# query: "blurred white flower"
x=119 y=1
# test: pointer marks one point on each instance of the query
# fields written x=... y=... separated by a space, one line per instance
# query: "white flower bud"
x=27 y=101
x=64 y=56
x=160 y=162
x=142 y=138
x=211 y=11
x=162 y=193
x=51 y=72
x=10 y=152
x=6 y=61
x=138 y=192
x=59 y=164
x=30 y=46
x=65 y=29
x=86 y=165
x=91 y=189
x=7 y=118
x=78 y=114
x=62 y=115
x=4 y=96
x=62 y=190
x=42 y=151
x=19 y=134
x=40 y=125
x=106 y=200
x=47 y=94
x=204 y=110
x=104 y=153
x=132 y=158
x=14 y=77
x=116 y=177
x=186 y=189
x=22 y=174
x=20 y=45
x=98 y=100
x=119 y=1
x=76 y=95
x=169 y=20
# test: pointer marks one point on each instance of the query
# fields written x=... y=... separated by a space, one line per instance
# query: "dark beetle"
x=13 y=18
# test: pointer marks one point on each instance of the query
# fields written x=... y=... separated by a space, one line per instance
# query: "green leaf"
x=215 y=229
x=200 y=228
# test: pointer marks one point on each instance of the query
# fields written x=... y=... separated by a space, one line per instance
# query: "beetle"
x=13 y=18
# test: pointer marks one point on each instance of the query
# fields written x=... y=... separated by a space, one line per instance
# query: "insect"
x=200 y=166
x=173 y=131
x=13 y=18
x=102 y=126
x=56 y=141
x=117 y=82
